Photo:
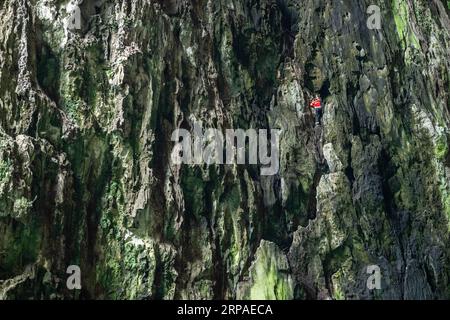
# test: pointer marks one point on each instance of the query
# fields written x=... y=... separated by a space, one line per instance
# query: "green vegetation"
x=5 y=170
x=22 y=206
x=267 y=280
x=401 y=17
x=441 y=147
x=94 y=153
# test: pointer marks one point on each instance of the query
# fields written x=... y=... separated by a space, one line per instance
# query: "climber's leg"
x=318 y=115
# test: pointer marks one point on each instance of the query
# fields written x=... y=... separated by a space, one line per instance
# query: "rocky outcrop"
x=269 y=276
x=87 y=113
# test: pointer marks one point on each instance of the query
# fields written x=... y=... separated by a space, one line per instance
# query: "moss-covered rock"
x=86 y=177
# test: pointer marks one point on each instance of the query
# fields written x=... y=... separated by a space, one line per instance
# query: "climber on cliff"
x=316 y=104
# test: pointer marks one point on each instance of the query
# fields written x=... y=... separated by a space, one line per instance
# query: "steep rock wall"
x=86 y=118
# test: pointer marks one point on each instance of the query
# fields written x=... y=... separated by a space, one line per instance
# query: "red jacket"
x=316 y=104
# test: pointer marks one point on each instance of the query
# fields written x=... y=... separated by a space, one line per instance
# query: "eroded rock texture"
x=86 y=118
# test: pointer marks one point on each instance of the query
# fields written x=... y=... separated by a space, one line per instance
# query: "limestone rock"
x=87 y=114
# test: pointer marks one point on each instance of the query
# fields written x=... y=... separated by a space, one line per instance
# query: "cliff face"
x=86 y=178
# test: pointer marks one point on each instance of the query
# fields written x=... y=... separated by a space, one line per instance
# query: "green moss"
x=400 y=13
x=441 y=147
x=233 y=199
x=401 y=18
x=22 y=207
x=236 y=251
x=68 y=93
x=5 y=170
x=127 y=269
x=5 y=175
x=447 y=208
x=338 y=294
x=405 y=197
x=269 y=282
x=48 y=71
x=21 y=248
x=194 y=191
